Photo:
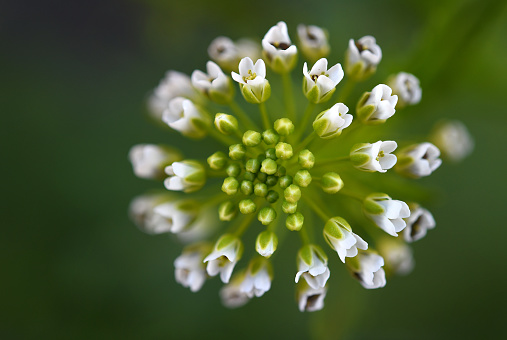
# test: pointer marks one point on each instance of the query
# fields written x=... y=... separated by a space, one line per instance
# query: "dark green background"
x=74 y=79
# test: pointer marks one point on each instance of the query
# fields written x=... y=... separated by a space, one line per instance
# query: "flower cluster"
x=282 y=165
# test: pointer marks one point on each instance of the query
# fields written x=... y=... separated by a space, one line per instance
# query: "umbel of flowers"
x=285 y=162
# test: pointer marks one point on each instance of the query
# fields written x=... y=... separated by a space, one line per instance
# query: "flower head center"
x=280 y=45
x=316 y=76
x=362 y=47
x=251 y=76
x=380 y=155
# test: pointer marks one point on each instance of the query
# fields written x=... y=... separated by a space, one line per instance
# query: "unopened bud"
x=285 y=181
x=270 y=137
x=266 y=215
x=230 y=186
x=266 y=243
x=218 y=160
x=246 y=188
x=227 y=211
x=292 y=193
x=303 y=178
x=295 y=221
x=283 y=151
x=233 y=170
x=237 y=151
x=260 y=189
x=269 y=166
x=225 y=123
x=331 y=183
x=247 y=206
x=289 y=208
x=251 y=138
x=284 y=126
x=272 y=196
x=306 y=159
x=253 y=165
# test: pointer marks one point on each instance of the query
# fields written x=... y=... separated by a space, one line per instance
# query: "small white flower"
x=187 y=176
x=173 y=217
x=330 y=123
x=231 y=294
x=190 y=271
x=141 y=209
x=313 y=42
x=407 y=87
x=183 y=116
x=363 y=56
x=252 y=80
x=320 y=83
x=278 y=49
x=418 y=160
x=257 y=279
x=175 y=84
x=149 y=160
x=310 y=299
x=366 y=267
x=247 y=48
x=397 y=255
x=453 y=139
x=374 y=157
x=388 y=214
x=339 y=236
x=214 y=84
x=226 y=253
x=377 y=106
x=201 y=228
x=312 y=265
x=418 y=223
x=224 y=52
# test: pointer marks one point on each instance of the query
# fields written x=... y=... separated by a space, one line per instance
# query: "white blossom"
x=141 y=209
x=190 y=271
x=312 y=265
x=374 y=157
x=214 y=83
x=313 y=42
x=252 y=80
x=398 y=256
x=320 y=82
x=377 y=106
x=418 y=160
x=338 y=234
x=330 y=123
x=418 y=223
x=231 y=294
x=182 y=115
x=278 y=49
x=366 y=267
x=257 y=279
x=187 y=176
x=310 y=299
x=226 y=253
x=388 y=214
x=453 y=139
x=149 y=160
x=228 y=53
x=173 y=217
x=406 y=87
x=363 y=56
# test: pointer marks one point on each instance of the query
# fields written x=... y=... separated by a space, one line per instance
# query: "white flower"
x=278 y=49
x=377 y=106
x=407 y=87
x=418 y=223
x=388 y=214
x=226 y=253
x=201 y=228
x=231 y=294
x=214 y=84
x=190 y=271
x=366 y=267
x=312 y=265
x=257 y=279
x=320 y=83
x=310 y=299
x=374 y=157
x=182 y=115
x=313 y=42
x=187 y=176
x=330 y=123
x=339 y=236
x=453 y=139
x=224 y=52
x=363 y=56
x=397 y=255
x=252 y=79
x=173 y=217
x=141 y=209
x=175 y=84
x=247 y=48
x=418 y=160
x=149 y=160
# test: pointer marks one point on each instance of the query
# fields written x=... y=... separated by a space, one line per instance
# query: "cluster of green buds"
x=282 y=165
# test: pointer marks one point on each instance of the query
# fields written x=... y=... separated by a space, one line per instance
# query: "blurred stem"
x=305 y=142
x=219 y=137
x=264 y=114
x=346 y=91
x=324 y=162
x=243 y=116
x=306 y=117
x=315 y=207
x=289 y=96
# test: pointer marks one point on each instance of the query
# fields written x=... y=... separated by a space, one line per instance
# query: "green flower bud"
x=230 y=186
x=295 y=221
x=269 y=166
x=271 y=180
x=289 y=208
x=285 y=181
x=237 y=151
x=260 y=189
x=266 y=243
x=270 y=137
x=247 y=206
x=292 y=193
x=218 y=160
x=249 y=176
x=303 y=178
x=227 y=211
x=306 y=159
x=225 y=123
x=251 y=138
x=331 y=183
x=253 y=165
x=255 y=95
x=281 y=171
x=246 y=188
x=262 y=177
x=271 y=153
x=233 y=170
x=284 y=126
x=266 y=215
x=283 y=151
x=272 y=196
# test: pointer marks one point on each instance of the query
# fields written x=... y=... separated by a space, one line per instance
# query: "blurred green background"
x=75 y=76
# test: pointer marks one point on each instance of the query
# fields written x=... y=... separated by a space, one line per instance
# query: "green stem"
x=303 y=233
x=316 y=208
x=219 y=137
x=352 y=194
x=264 y=114
x=245 y=223
x=346 y=91
x=323 y=162
x=305 y=142
x=288 y=96
x=243 y=116
x=306 y=118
